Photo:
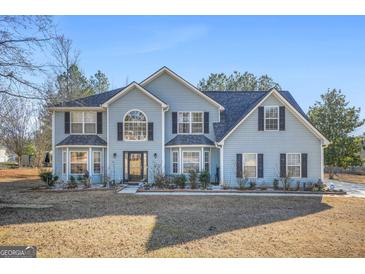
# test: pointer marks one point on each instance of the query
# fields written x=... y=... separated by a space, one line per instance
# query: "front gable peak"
x=176 y=77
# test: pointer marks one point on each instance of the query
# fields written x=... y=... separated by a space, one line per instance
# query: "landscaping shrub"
x=204 y=179
x=48 y=178
x=161 y=181
x=72 y=183
x=275 y=184
x=241 y=183
x=179 y=180
x=252 y=185
x=193 y=176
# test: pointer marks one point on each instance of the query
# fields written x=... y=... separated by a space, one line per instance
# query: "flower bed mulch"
x=59 y=190
x=244 y=191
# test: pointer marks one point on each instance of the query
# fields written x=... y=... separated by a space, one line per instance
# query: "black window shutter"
x=260 y=167
x=282 y=118
x=282 y=165
x=174 y=122
x=150 y=131
x=120 y=131
x=261 y=118
x=239 y=166
x=304 y=165
x=99 y=123
x=67 y=123
x=206 y=122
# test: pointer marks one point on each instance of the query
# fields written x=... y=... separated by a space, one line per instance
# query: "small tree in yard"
x=336 y=120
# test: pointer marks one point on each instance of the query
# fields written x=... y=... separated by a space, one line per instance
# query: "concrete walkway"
x=130 y=189
x=353 y=190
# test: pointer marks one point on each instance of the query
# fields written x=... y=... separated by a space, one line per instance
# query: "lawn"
x=350 y=178
x=107 y=224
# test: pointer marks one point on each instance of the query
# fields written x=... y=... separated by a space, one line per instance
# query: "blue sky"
x=305 y=54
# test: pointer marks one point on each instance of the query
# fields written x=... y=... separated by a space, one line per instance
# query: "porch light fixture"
x=114 y=155
x=155 y=155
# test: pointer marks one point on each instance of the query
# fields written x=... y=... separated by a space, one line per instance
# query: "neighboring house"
x=3 y=154
x=165 y=124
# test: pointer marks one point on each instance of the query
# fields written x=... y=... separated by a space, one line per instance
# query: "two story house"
x=166 y=125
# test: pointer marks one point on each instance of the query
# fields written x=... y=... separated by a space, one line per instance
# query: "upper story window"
x=190 y=122
x=83 y=122
x=135 y=126
x=271 y=117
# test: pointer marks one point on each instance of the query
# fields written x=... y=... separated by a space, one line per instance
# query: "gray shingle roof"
x=90 y=101
x=238 y=104
x=190 y=140
x=86 y=140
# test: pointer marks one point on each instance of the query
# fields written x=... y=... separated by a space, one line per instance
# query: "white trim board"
x=275 y=93
x=182 y=81
x=81 y=146
x=129 y=88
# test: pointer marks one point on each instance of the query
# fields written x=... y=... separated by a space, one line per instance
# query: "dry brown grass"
x=357 y=179
x=18 y=174
x=107 y=224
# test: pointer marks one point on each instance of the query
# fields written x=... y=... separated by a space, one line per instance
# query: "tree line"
x=25 y=122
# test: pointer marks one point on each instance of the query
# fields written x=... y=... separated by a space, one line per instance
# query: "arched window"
x=135 y=126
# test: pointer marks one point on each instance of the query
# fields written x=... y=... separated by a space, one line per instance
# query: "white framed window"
x=271 y=117
x=78 y=162
x=64 y=162
x=206 y=160
x=294 y=165
x=190 y=122
x=83 y=122
x=96 y=162
x=191 y=161
x=135 y=126
x=249 y=162
x=175 y=162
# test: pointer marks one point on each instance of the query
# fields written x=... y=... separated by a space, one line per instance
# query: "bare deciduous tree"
x=15 y=126
x=21 y=38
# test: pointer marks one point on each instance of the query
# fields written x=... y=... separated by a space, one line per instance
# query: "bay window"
x=175 y=162
x=97 y=162
x=191 y=161
x=190 y=122
x=78 y=162
x=206 y=160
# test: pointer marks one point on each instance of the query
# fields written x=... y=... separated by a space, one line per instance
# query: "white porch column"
x=202 y=159
x=108 y=143
x=221 y=153
x=163 y=141
x=180 y=161
x=67 y=163
x=90 y=162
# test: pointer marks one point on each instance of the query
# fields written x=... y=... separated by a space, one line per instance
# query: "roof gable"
x=182 y=81
x=130 y=87
x=240 y=105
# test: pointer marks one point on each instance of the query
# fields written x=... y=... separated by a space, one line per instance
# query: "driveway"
x=355 y=190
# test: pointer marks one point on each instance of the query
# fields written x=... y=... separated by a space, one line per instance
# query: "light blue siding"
x=60 y=135
x=247 y=139
x=134 y=99
x=181 y=98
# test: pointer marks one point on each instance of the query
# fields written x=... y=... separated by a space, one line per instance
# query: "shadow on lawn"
x=179 y=219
